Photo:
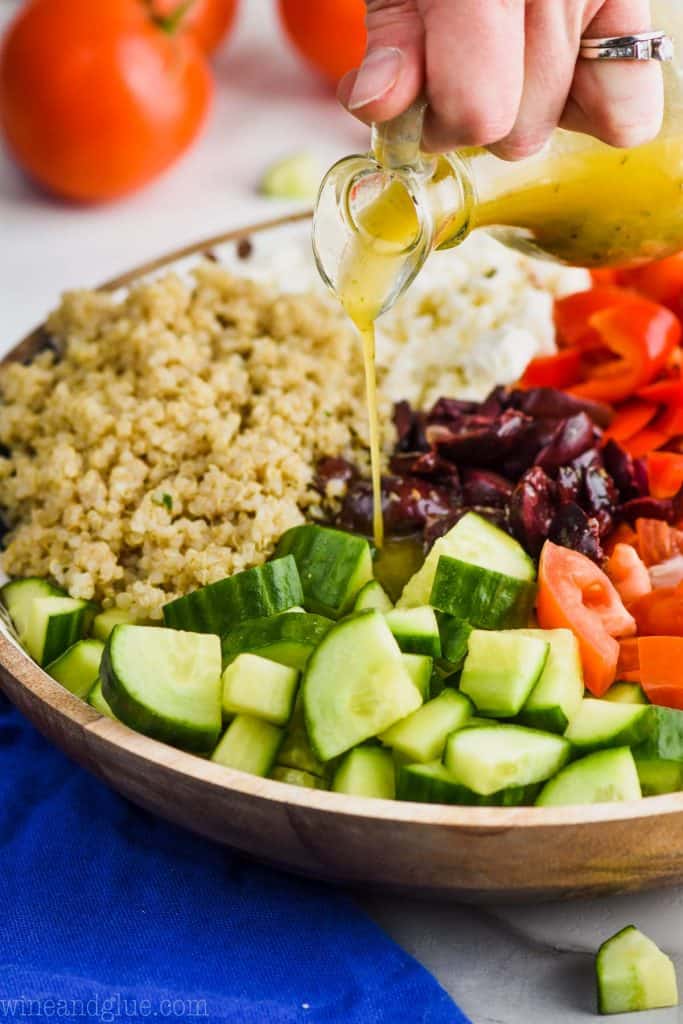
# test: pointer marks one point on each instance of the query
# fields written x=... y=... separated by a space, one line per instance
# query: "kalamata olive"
x=447 y=409
x=337 y=469
x=627 y=474
x=429 y=464
x=600 y=497
x=569 y=481
x=480 y=442
x=572 y=438
x=572 y=528
x=407 y=504
x=548 y=403
x=486 y=488
x=532 y=508
x=647 y=508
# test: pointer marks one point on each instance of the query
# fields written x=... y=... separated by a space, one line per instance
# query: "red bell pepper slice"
x=557 y=371
x=641 y=335
x=664 y=392
x=665 y=474
x=572 y=315
x=661 y=281
x=605 y=276
x=629 y=419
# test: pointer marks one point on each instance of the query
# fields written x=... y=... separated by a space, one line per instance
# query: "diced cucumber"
x=485 y=598
x=434 y=784
x=664 y=734
x=104 y=622
x=634 y=974
x=249 y=745
x=372 y=595
x=626 y=693
x=296 y=751
x=366 y=771
x=599 y=724
x=97 y=701
x=47 y=621
x=79 y=666
x=165 y=683
x=288 y=638
x=333 y=566
x=608 y=776
x=422 y=735
x=416 y=630
x=477 y=542
x=557 y=695
x=296 y=777
x=419 y=667
x=455 y=635
x=496 y=757
x=259 y=687
x=501 y=669
x=658 y=777
x=355 y=685
x=219 y=607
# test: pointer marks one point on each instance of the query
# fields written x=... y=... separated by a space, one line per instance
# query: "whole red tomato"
x=329 y=34
x=208 y=21
x=96 y=99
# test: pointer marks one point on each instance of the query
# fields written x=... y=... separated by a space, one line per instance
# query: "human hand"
x=505 y=73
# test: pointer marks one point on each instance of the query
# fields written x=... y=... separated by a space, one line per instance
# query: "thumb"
x=391 y=75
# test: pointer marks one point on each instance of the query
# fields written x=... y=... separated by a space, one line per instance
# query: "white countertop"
x=524 y=965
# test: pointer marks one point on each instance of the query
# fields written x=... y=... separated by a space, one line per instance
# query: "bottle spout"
x=396 y=143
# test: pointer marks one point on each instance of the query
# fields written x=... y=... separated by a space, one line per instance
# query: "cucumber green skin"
x=63 y=631
x=421 y=787
x=413 y=644
x=455 y=634
x=658 y=777
x=485 y=599
x=217 y=608
x=552 y=719
x=256 y=636
x=139 y=717
x=664 y=737
x=333 y=566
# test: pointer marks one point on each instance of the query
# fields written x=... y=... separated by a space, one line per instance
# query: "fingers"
x=392 y=72
x=620 y=102
x=553 y=30
x=474 y=55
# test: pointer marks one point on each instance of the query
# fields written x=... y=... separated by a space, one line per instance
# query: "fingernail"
x=378 y=73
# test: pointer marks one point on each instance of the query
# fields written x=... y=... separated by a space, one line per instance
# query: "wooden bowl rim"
x=19 y=666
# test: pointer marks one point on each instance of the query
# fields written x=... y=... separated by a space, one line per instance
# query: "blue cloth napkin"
x=107 y=913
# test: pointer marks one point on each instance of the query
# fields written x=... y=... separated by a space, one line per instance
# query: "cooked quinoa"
x=173 y=437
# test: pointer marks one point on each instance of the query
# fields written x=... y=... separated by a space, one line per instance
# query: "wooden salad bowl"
x=468 y=853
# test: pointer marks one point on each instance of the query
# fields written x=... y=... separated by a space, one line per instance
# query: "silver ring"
x=639 y=46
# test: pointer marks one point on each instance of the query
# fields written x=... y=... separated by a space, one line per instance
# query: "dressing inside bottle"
x=578 y=202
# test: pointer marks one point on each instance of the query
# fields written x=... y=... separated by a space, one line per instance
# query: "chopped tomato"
x=628 y=666
x=665 y=474
x=624 y=534
x=630 y=418
x=661 y=281
x=573 y=593
x=640 y=335
x=628 y=573
x=660 y=613
x=657 y=541
x=605 y=276
x=661 y=658
x=572 y=315
x=558 y=371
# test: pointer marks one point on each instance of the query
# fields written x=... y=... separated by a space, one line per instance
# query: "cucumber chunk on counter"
x=608 y=776
x=422 y=736
x=477 y=542
x=297 y=777
x=626 y=693
x=366 y=771
x=419 y=667
x=434 y=784
x=288 y=638
x=355 y=685
x=47 y=621
x=634 y=974
x=96 y=700
x=488 y=759
x=248 y=745
x=501 y=669
x=599 y=724
x=658 y=777
x=557 y=695
x=333 y=566
x=372 y=595
x=219 y=607
x=455 y=635
x=416 y=630
x=259 y=687
x=79 y=666
x=165 y=683
x=104 y=622
x=483 y=597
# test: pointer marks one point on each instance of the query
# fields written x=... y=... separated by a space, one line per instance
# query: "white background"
x=503 y=965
